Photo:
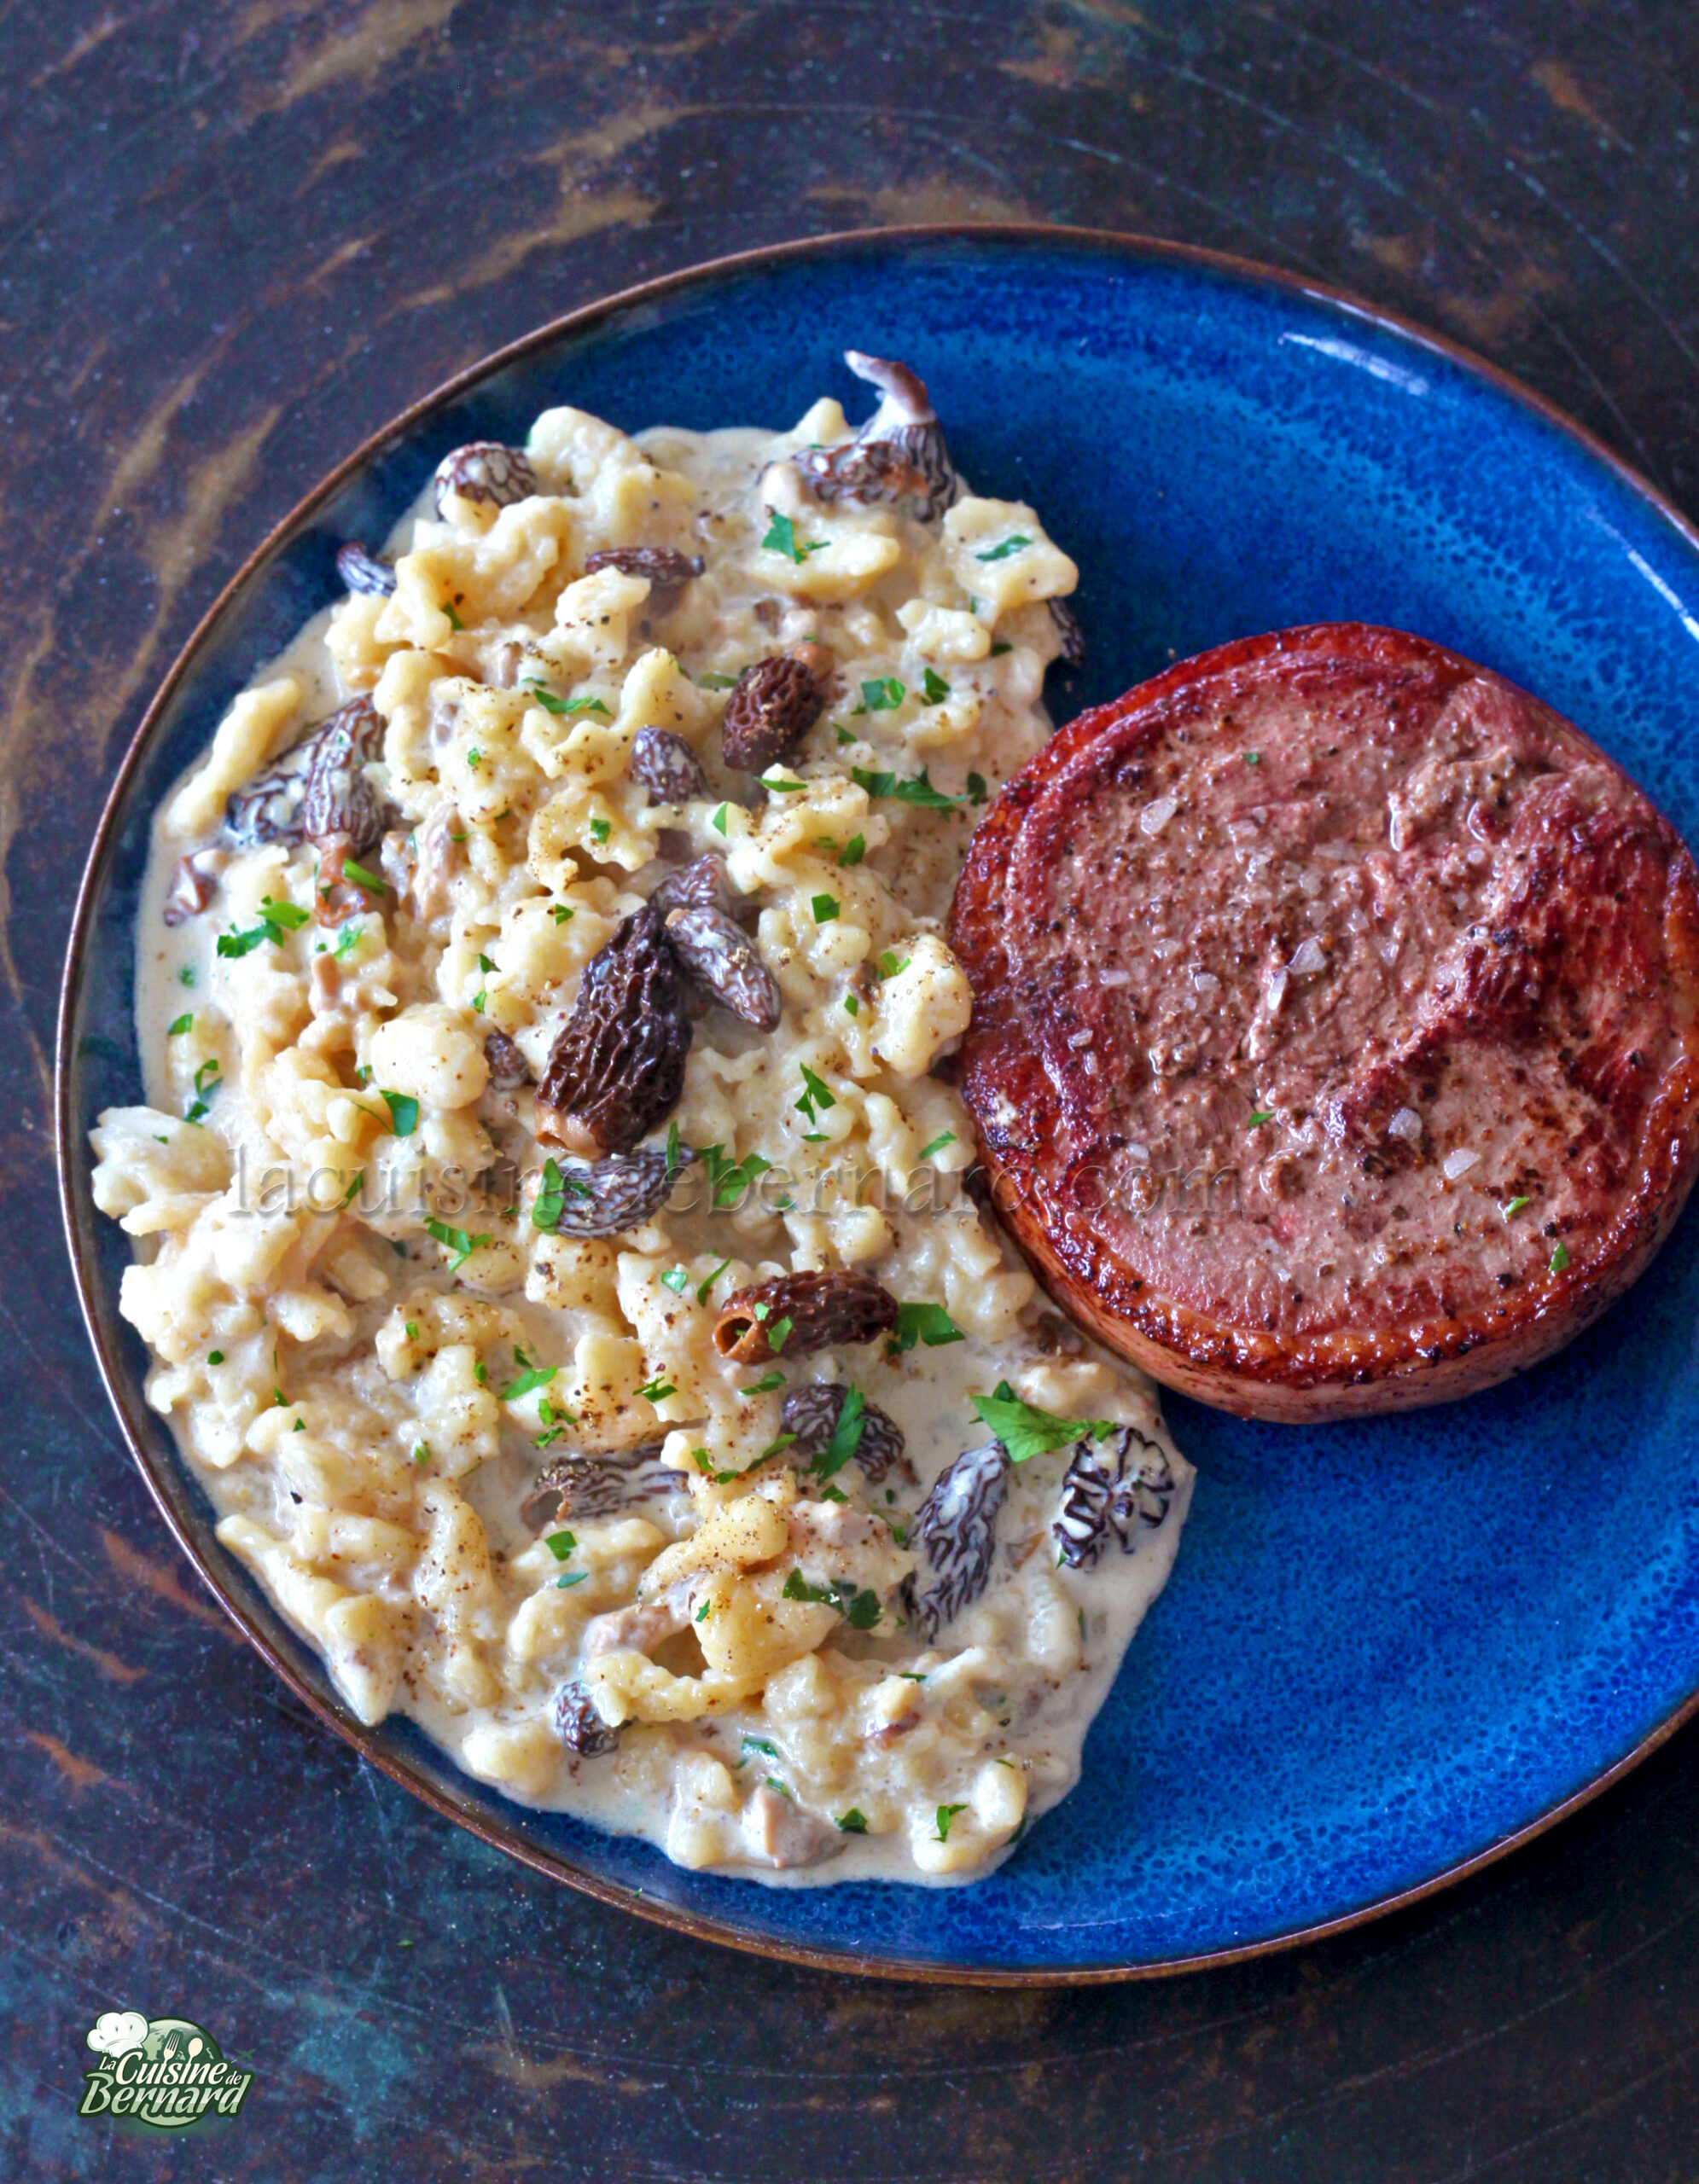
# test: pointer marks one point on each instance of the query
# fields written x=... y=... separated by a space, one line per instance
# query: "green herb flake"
x=782 y=786
x=348 y=1196
x=883 y=695
x=183 y=1022
x=816 y=1094
x=704 y=1611
x=600 y=829
x=858 y=1608
x=781 y=538
x=1559 y=1259
x=185 y=977
x=474 y=758
x=947 y=1812
x=765 y=1385
x=903 y=788
x=978 y=789
x=1026 y=1431
x=703 y=1287
x=718 y=822
x=551 y=1198
x=1012 y=544
x=852 y=1005
x=944 y=1138
x=454 y=620
x=545 y=697
x=890 y=963
x=215 y=1357
x=457 y=1240
x=590 y=704
x=657 y=1391
x=421 y=1452
x=853 y=849
x=534 y=1377
x=1001 y=647
x=676 y=1280
x=852 y=1822
x=560 y=1545
x=1262 y=1115
x=411 y=1329
x=573 y=1577
x=729 y=1179
x=560 y=913
x=1254 y=757
x=778 y=1334
x=927 y=1323
x=403 y=1112
x=1516 y=1205
x=825 y=909
x=933 y=688
x=713 y=680
x=348 y=939
x=845 y=1436
x=841 y=733
x=362 y=877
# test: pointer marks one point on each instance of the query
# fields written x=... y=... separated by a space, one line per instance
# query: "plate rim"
x=498 y=1834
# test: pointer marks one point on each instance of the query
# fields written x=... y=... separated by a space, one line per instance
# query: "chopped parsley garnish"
x=676 y=1279
x=704 y=1464
x=852 y=1822
x=846 y=1435
x=703 y=1287
x=927 y=1323
x=591 y=704
x=783 y=787
x=185 y=977
x=207 y=1082
x=815 y=1095
x=275 y=918
x=403 y=1112
x=890 y=962
x=779 y=1441
x=454 y=620
x=532 y=1378
x=657 y=1391
x=1560 y=1258
x=411 y=1329
x=713 y=680
x=947 y=1812
x=1026 y=1431
x=546 y=699
x=561 y=913
x=560 y=1544
x=183 y=1022
x=718 y=822
x=858 y=1608
x=841 y=733
x=905 y=788
x=362 y=877
x=1262 y=1115
x=348 y=939
x=778 y=1334
x=673 y=1150
x=348 y=1195
x=457 y=1240
x=600 y=829
x=704 y=1611
x=1012 y=544
x=851 y=1006
x=883 y=695
x=215 y=1357
x=421 y=1452
x=977 y=789
x=1254 y=757
x=853 y=849
x=763 y=1744
x=825 y=909
x=944 y=1138
x=1516 y=1205
x=551 y=1197
x=729 y=1179
x=781 y=538
x=485 y=965
x=573 y=1577
x=933 y=688
x=765 y=1385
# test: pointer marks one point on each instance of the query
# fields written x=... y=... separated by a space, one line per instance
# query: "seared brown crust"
x=1341 y=878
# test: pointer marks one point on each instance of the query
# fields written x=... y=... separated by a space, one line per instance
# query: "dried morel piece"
x=604 y=1197
x=796 y=1313
x=617 y=1067
x=668 y=572
x=666 y=766
x=899 y=454
x=702 y=886
x=362 y=572
x=582 y=1728
x=508 y=1069
x=1120 y=1487
x=595 y=1486
x=812 y=1413
x=771 y=708
x=958 y=1535
x=193 y=886
x=1073 y=652
x=484 y=470
x=317 y=787
x=719 y=956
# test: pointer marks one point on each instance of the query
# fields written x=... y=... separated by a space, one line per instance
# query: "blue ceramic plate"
x=1389 y=1650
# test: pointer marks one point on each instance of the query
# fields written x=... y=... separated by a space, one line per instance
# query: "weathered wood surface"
x=234 y=235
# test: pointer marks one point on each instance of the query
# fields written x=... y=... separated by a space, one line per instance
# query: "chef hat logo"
x=115 y=2032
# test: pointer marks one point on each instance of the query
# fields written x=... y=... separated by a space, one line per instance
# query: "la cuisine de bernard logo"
x=165 y=2073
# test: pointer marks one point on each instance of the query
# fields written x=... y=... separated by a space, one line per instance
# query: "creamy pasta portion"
x=557 y=1230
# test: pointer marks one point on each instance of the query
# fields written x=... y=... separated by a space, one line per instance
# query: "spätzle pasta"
x=508 y=1385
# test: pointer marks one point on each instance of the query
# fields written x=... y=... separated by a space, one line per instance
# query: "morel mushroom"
x=581 y=1727
x=897 y=456
x=605 y=1197
x=617 y=1067
x=508 y=1069
x=771 y=708
x=796 y=1313
x=668 y=571
x=595 y=1486
x=958 y=1534
x=486 y=471
x=193 y=884
x=666 y=766
x=701 y=885
x=1073 y=652
x=362 y=572
x=1118 y=1488
x=811 y=1413
x=319 y=787
x=720 y=956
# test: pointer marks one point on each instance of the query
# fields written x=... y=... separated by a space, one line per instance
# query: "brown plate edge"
x=73 y=1171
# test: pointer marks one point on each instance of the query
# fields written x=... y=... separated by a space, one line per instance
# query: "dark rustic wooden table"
x=235 y=236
